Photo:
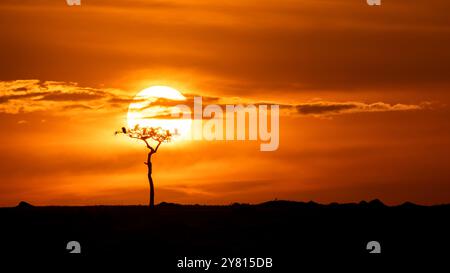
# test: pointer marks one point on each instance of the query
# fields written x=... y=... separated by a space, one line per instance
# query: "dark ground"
x=291 y=233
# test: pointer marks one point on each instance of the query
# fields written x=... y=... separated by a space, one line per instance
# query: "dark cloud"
x=77 y=106
x=61 y=96
x=163 y=102
x=333 y=108
x=20 y=89
x=34 y=95
x=119 y=100
x=321 y=108
x=7 y=98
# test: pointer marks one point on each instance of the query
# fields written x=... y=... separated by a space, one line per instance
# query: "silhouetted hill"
x=286 y=231
x=24 y=205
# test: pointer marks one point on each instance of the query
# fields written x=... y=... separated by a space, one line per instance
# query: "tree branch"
x=157 y=146
x=148 y=146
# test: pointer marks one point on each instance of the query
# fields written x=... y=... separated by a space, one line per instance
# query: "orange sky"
x=370 y=86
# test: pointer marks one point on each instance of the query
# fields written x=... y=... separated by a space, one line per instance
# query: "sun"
x=152 y=107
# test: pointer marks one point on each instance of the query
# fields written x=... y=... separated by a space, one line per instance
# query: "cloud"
x=316 y=109
x=7 y=98
x=326 y=108
x=25 y=96
x=60 y=96
x=77 y=106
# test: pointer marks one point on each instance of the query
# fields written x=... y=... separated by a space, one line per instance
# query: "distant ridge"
x=375 y=203
x=409 y=205
x=24 y=204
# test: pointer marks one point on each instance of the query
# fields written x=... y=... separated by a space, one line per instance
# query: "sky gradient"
x=367 y=88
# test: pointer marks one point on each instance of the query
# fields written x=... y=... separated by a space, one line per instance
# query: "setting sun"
x=148 y=110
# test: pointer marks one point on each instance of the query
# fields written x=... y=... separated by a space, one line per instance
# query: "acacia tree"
x=158 y=135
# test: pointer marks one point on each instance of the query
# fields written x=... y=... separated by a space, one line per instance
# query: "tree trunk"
x=152 y=191
x=150 y=181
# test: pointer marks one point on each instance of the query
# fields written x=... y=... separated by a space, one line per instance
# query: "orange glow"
x=363 y=93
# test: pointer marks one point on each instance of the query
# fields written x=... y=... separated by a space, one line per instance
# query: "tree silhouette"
x=157 y=134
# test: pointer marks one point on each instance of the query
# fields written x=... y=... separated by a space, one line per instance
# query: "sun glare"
x=152 y=107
